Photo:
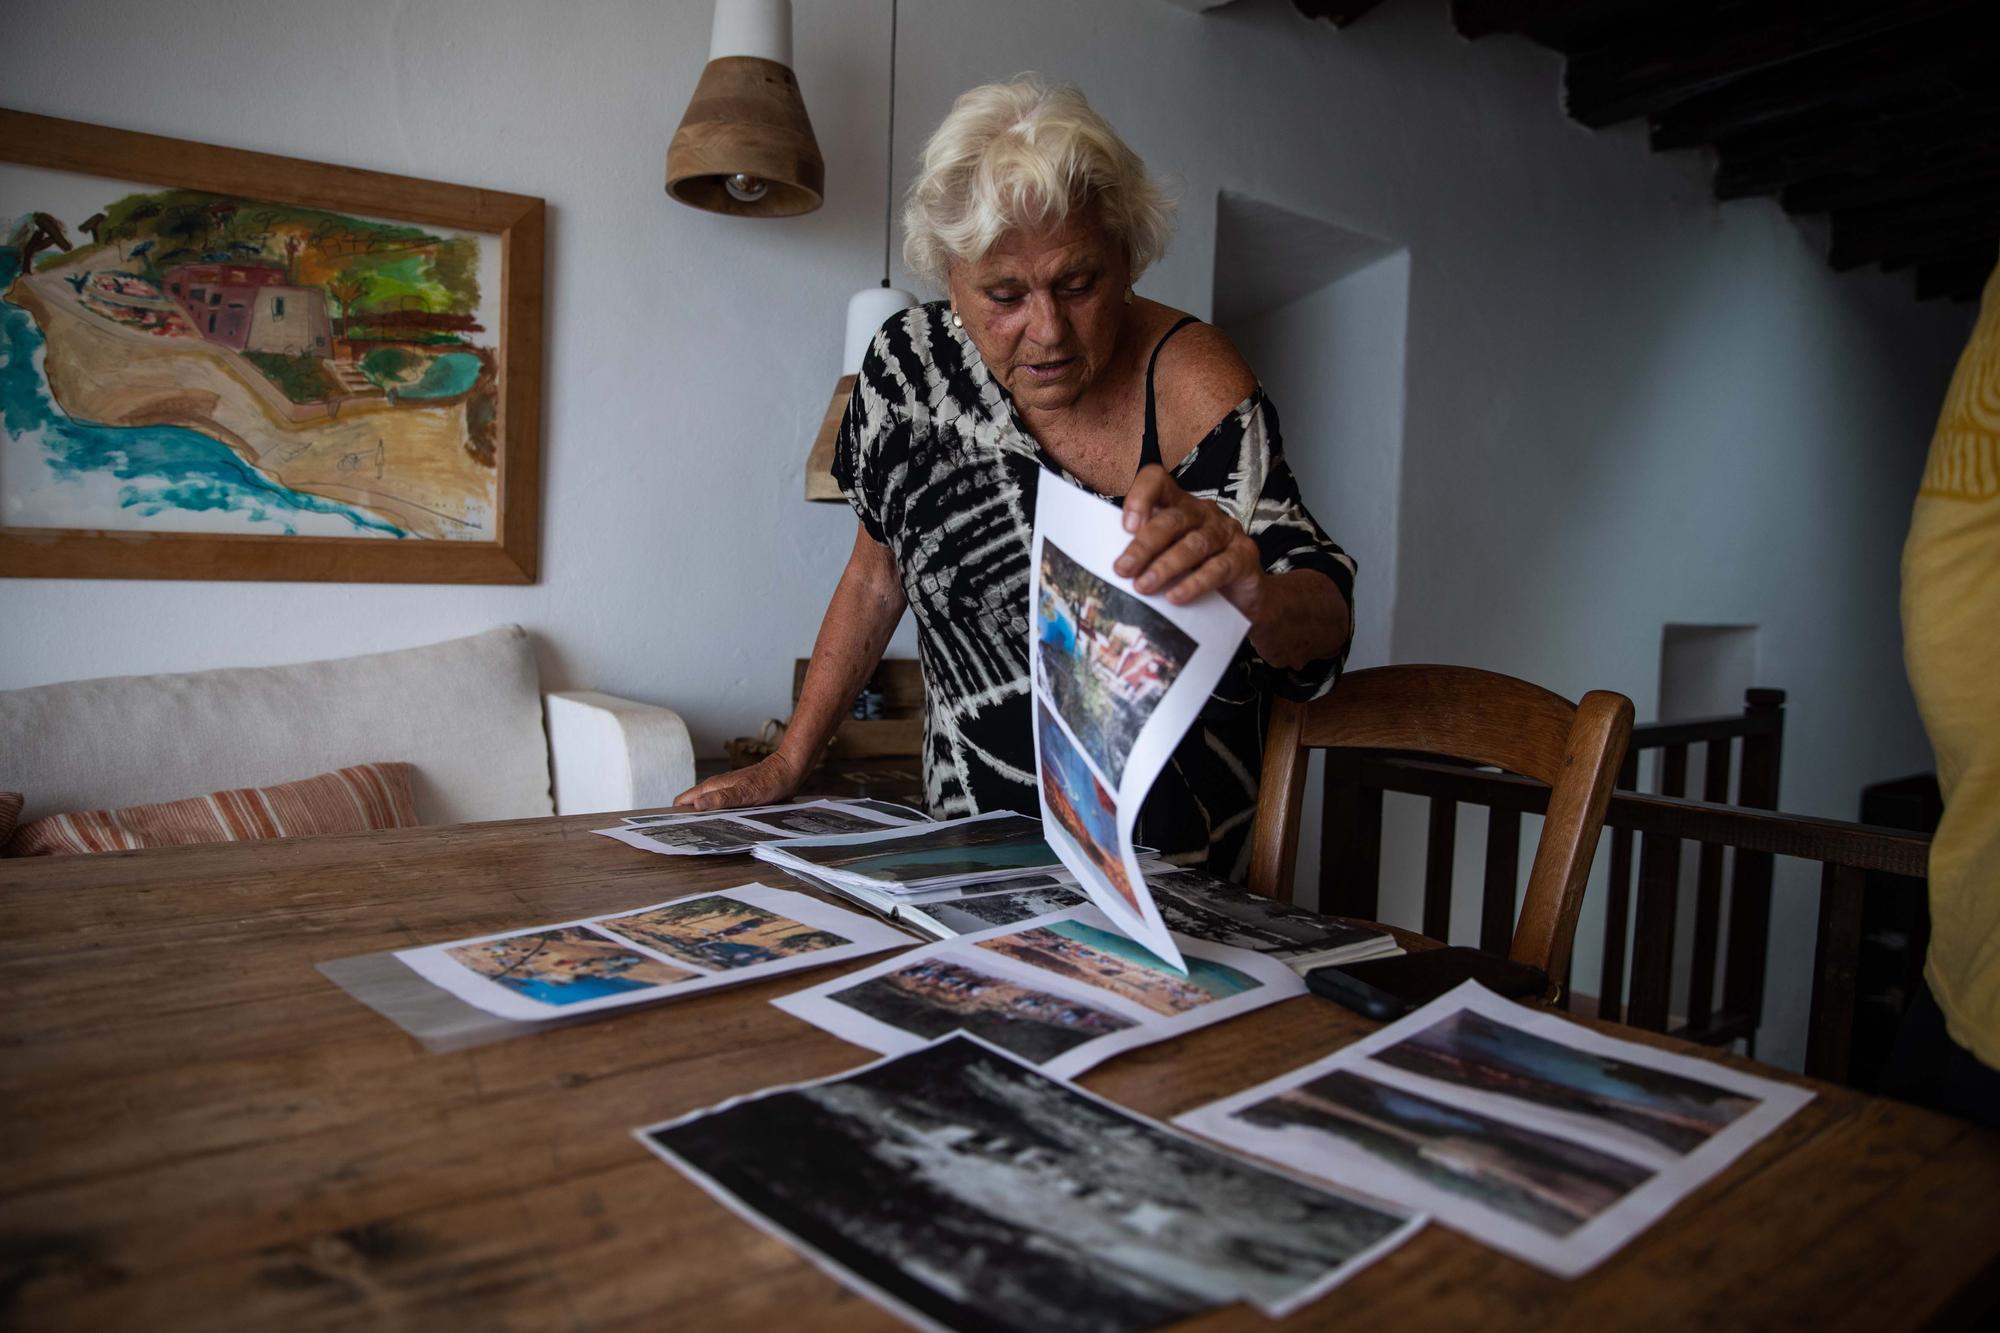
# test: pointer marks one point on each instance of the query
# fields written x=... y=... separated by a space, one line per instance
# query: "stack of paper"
x=1192 y=902
x=905 y=861
x=718 y=833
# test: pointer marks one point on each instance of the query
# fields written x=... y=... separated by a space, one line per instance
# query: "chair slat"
x=1503 y=869
x=1617 y=903
x=1438 y=860
x=1750 y=879
x=1707 y=899
x=1836 y=960
x=1653 y=932
x=1350 y=865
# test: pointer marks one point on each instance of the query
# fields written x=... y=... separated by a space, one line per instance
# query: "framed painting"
x=218 y=364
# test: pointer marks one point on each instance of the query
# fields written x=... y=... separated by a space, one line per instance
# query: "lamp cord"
x=889 y=174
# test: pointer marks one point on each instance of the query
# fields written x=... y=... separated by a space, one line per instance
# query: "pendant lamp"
x=745 y=146
x=867 y=309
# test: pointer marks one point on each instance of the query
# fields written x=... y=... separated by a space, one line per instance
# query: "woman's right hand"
x=769 y=781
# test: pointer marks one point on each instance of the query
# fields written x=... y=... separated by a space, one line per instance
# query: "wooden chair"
x=1476 y=716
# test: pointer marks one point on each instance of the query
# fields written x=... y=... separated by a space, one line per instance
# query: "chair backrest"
x=1480 y=717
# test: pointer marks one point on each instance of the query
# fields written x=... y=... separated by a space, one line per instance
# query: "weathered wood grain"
x=202 y=1131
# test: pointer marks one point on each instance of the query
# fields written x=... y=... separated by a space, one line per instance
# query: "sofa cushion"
x=353 y=800
x=466 y=714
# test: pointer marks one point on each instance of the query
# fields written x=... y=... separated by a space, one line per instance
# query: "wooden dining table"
x=201 y=1130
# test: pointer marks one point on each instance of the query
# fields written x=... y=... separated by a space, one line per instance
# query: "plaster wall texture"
x=1626 y=405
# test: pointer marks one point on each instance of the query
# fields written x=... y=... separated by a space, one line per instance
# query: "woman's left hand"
x=1183 y=546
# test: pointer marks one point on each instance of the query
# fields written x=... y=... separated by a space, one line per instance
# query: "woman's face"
x=1045 y=309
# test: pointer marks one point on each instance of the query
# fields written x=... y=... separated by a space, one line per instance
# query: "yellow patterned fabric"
x=1951 y=645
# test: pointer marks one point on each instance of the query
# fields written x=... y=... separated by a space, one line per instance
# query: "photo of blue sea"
x=168 y=469
x=1220 y=982
x=572 y=990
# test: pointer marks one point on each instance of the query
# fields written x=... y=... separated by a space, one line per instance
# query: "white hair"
x=1022 y=155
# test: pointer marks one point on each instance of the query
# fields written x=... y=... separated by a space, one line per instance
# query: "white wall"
x=1626 y=405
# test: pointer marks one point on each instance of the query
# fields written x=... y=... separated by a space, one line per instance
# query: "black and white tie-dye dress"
x=942 y=471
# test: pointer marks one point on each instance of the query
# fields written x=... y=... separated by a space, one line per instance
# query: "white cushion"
x=466 y=713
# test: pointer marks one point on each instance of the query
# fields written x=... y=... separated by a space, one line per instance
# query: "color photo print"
x=1118 y=679
x=1106 y=659
x=962 y=1189
x=990 y=846
x=1063 y=993
x=689 y=944
x=1522 y=1129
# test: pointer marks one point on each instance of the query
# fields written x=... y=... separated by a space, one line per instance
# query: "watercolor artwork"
x=182 y=362
x=1106 y=959
x=720 y=933
x=935 y=996
x=1080 y=806
x=566 y=965
x=1119 y=678
x=1106 y=659
x=642 y=954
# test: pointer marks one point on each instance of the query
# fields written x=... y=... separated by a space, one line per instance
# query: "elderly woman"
x=1037 y=219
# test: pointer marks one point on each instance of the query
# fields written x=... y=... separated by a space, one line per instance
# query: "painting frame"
x=519 y=224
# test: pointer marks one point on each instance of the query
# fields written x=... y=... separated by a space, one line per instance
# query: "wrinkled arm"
x=866 y=605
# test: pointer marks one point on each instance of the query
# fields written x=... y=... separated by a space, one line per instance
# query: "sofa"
x=468 y=715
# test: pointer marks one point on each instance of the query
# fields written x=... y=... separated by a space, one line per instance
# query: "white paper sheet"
x=997 y=845
x=1592 y=1141
x=724 y=832
x=613 y=960
x=866 y=816
x=1119 y=1222
x=1118 y=679
x=1015 y=995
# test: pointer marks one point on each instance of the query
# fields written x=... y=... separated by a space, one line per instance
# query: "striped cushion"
x=10 y=810
x=352 y=800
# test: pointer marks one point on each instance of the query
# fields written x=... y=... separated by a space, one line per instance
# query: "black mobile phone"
x=1386 y=988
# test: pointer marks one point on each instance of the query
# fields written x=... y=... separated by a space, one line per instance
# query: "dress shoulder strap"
x=1149 y=443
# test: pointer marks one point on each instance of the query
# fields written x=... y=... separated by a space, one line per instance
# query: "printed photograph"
x=984 y=912
x=1107 y=659
x=936 y=996
x=1197 y=904
x=1471 y=1049
x=1124 y=967
x=1548 y=1183
x=977 y=848
x=566 y=965
x=1078 y=802
x=721 y=933
x=982 y=1195
x=707 y=835
x=811 y=823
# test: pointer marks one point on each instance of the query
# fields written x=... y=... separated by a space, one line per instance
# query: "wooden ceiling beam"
x=1655 y=71
x=1838 y=142
x=1960 y=278
x=1854 y=247
x=1911 y=70
x=1920 y=177
x=1567 y=26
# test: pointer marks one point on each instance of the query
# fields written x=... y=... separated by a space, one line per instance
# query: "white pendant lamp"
x=867 y=310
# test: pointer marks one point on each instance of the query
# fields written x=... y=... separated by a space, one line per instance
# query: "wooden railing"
x=1758 y=732
x=1662 y=822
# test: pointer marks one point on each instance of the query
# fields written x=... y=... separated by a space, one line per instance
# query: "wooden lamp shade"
x=746 y=119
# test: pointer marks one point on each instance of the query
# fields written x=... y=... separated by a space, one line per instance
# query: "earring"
x=956 y=322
